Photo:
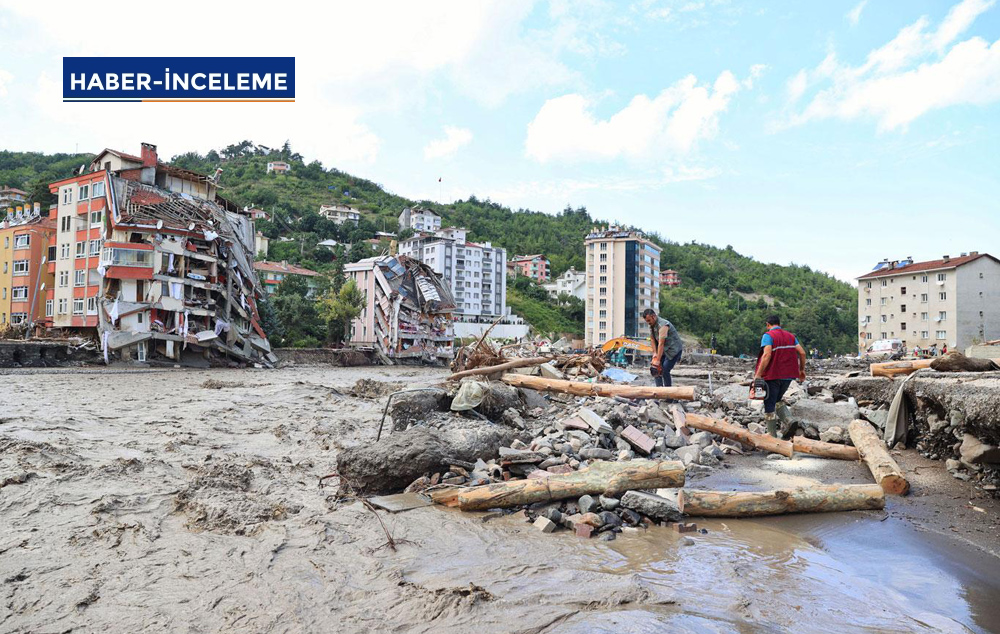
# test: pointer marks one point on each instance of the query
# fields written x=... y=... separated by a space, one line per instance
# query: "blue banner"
x=178 y=78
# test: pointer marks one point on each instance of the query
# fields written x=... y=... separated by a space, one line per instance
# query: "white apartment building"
x=340 y=213
x=476 y=273
x=419 y=220
x=953 y=301
x=623 y=279
x=571 y=282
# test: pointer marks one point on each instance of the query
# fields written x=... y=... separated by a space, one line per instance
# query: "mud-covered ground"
x=188 y=501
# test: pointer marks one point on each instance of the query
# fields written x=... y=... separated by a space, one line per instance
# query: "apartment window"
x=902 y=325
x=604 y=257
x=18 y=318
x=602 y=325
x=868 y=284
x=92 y=308
x=84 y=192
x=95 y=217
x=80 y=278
x=902 y=290
x=942 y=315
x=78 y=306
x=902 y=308
x=95 y=247
x=942 y=296
x=884 y=335
x=52 y=254
x=603 y=279
x=22 y=241
x=603 y=314
x=942 y=277
x=980 y=276
x=81 y=249
x=868 y=336
x=884 y=300
x=868 y=302
x=603 y=291
x=604 y=302
x=885 y=282
x=4 y=292
x=97 y=189
x=67 y=195
x=923 y=298
x=924 y=316
x=924 y=334
x=942 y=334
x=923 y=278
x=136 y=257
x=604 y=268
x=48 y=308
x=63 y=303
x=64 y=251
x=885 y=319
x=19 y=293
x=20 y=267
x=63 y=278
x=604 y=246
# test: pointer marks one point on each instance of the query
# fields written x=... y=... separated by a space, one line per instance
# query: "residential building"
x=669 y=277
x=161 y=266
x=623 y=280
x=474 y=272
x=257 y=213
x=340 y=213
x=419 y=220
x=953 y=301
x=12 y=197
x=261 y=244
x=533 y=266
x=274 y=273
x=24 y=276
x=571 y=282
x=278 y=167
x=408 y=309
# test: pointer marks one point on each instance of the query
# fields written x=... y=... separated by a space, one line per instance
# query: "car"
x=885 y=348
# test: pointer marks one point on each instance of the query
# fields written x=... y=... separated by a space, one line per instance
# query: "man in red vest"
x=781 y=360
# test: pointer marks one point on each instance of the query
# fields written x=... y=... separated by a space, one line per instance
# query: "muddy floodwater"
x=189 y=501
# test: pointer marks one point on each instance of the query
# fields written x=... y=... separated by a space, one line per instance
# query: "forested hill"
x=722 y=292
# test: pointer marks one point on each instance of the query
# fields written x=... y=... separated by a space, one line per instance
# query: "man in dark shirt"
x=667 y=347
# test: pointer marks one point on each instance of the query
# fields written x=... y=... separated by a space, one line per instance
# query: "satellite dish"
x=159 y=224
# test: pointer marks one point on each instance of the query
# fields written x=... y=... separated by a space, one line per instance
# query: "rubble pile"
x=486 y=353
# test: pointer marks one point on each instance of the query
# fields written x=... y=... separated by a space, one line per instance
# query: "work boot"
x=772 y=424
x=782 y=411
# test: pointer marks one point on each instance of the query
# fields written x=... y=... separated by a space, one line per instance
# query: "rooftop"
x=282 y=267
x=888 y=269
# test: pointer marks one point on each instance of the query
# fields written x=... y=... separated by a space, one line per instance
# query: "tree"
x=340 y=309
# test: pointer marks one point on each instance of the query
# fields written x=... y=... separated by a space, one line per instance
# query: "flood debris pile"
x=485 y=355
x=178 y=279
x=412 y=310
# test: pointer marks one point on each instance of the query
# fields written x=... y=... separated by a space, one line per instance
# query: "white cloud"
x=454 y=139
x=854 y=15
x=566 y=128
x=5 y=78
x=918 y=71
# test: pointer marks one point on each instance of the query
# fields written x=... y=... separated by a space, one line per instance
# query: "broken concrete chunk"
x=549 y=371
x=414 y=407
x=639 y=440
x=595 y=453
x=575 y=422
x=975 y=451
x=650 y=505
x=595 y=422
x=685 y=527
x=545 y=525
x=702 y=439
x=689 y=455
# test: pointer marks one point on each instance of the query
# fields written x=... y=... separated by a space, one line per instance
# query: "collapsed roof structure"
x=408 y=312
x=178 y=275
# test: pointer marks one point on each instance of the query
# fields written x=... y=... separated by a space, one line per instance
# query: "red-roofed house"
x=273 y=273
x=953 y=301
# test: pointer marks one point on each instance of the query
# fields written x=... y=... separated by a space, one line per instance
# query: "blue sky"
x=829 y=134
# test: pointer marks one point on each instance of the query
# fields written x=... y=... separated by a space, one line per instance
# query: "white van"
x=885 y=348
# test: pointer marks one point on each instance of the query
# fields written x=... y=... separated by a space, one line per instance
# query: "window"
x=868 y=302
x=22 y=241
x=604 y=302
x=65 y=223
x=923 y=278
x=64 y=251
x=19 y=293
x=4 y=292
x=902 y=308
x=942 y=277
x=902 y=325
x=18 y=318
x=604 y=246
x=92 y=307
x=604 y=279
x=942 y=315
x=924 y=316
x=63 y=278
x=97 y=189
x=20 y=267
x=884 y=335
x=48 y=308
x=902 y=290
x=942 y=334
x=95 y=217
x=84 y=192
x=67 y=195
x=603 y=291
x=603 y=314
x=62 y=306
x=884 y=300
x=52 y=254
x=604 y=257
x=604 y=268
x=868 y=336
x=885 y=282
x=81 y=249
x=942 y=296
x=78 y=306
x=95 y=247
x=602 y=324
x=868 y=284
x=924 y=334
x=133 y=257
x=923 y=298
x=140 y=351
x=80 y=278
x=885 y=319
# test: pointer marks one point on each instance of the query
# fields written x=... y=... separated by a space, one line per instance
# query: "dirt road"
x=189 y=501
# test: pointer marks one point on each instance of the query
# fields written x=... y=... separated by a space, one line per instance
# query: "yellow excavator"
x=615 y=349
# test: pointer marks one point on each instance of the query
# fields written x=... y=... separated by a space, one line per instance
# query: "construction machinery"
x=617 y=350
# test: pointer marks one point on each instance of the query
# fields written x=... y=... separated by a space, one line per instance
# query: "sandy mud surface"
x=189 y=501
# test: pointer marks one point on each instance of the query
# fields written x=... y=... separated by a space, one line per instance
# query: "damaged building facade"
x=175 y=278
x=408 y=309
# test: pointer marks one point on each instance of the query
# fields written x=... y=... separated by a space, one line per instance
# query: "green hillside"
x=722 y=292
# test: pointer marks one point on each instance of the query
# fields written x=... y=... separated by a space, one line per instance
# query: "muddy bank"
x=203 y=513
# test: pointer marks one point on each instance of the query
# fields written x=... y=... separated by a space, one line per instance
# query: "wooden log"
x=875 y=454
x=600 y=478
x=893 y=368
x=581 y=388
x=502 y=367
x=448 y=496
x=815 y=499
x=735 y=432
x=802 y=444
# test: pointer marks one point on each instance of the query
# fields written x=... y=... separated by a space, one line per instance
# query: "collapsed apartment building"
x=176 y=273
x=408 y=310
